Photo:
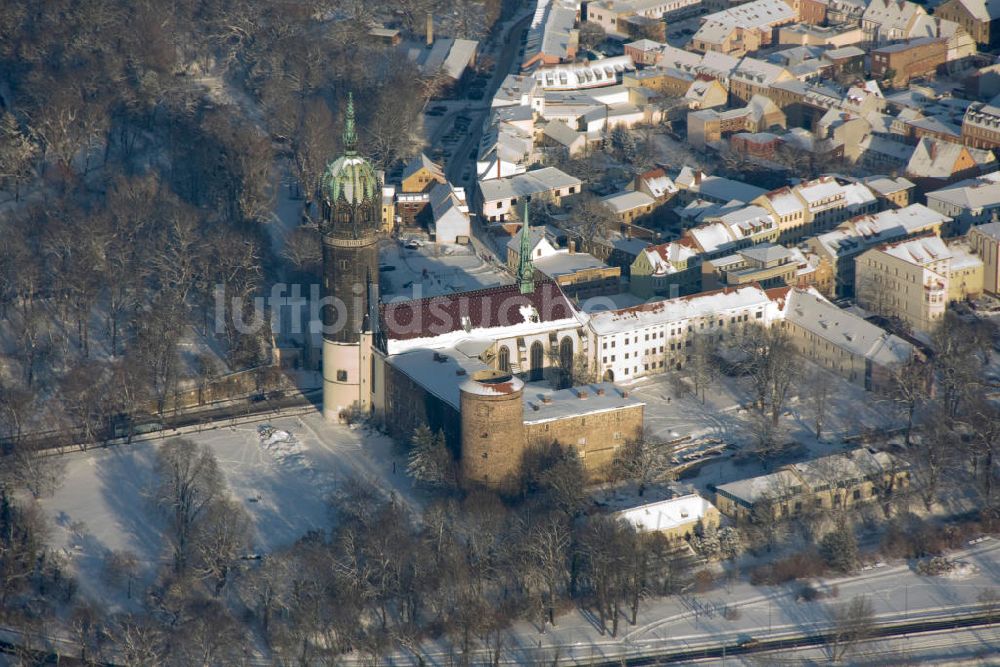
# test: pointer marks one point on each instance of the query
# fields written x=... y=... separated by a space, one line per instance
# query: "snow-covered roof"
x=665 y=257
x=933 y=158
x=962 y=257
x=658 y=182
x=760 y=72
x=982 y=10
x=488 y=313
x=714 y=32
x=765 y=253
x=622 y=202
x=865 y=231
x=712 y=236
x=921 y=250
x=422 y=162
x=784 y=202
x=756 y=14
x=459 y=57
x=885 y=185
x=564 y=262
x=990 y=229
x=446 y=373
x=810 y=311
x=543 y=404
x=973 y=194
x=448 y=203
x=892 y=15
x=533 y=182
x=561 y=133
x=515 y=89
x=849 y=468
x=590 y=74
x=676 y=310
x=667 y=514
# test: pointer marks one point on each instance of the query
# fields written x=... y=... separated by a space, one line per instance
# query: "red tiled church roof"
x=479 y=309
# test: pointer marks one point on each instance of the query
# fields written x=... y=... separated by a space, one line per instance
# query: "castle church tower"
x=351 y=199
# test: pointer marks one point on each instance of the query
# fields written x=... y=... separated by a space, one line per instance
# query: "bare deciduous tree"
x=852 y=623
x=644 y=460
x=190 y=484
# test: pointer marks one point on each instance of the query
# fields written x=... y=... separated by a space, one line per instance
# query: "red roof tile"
x=480 y=309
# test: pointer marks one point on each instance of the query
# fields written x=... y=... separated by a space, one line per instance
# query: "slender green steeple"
x=525 y=268
x=350 y=134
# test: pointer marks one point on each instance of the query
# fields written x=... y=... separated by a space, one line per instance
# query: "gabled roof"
x=422 y=162
x=668 y=514
x=675 y=310
x=922 y=250
x=809 y=310
x=663 y=257
x=561 y=133
x=490 y=308
x=973 y=194
x=982 y=10
x=620 y=202
x=934 y=159
x=658 y=182
x=766 y=252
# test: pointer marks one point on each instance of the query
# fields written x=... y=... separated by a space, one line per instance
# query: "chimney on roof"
x=430 y=29
x=624 y=393
x=599 y=391
x=572 y=247
x=697 y=176
x=546 y=399
x=582 y=395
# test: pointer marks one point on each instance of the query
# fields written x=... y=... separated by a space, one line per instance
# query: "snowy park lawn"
x=669 y=416
x=104 y=503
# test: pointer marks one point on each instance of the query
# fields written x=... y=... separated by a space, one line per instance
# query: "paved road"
x=504 y=66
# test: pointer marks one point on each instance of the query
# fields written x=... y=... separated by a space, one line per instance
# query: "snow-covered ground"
x=678 y=623
x=670 y=415
x=104 y=503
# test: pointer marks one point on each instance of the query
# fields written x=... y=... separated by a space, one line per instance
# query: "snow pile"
x=277 y=437
x=940 y=566
x=961 y=570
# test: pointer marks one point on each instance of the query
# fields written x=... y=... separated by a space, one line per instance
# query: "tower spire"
x=525 y=267
x=350 y=134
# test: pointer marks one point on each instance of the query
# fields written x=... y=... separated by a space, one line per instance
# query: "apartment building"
x=970 y=202
x=840 y=341
x=984 y=240
x=908 y=60
x=844 y=244
x=981 y=125
x=907 y=280
x=743 y=28
x=654 y=337
x=668 y=269
x=498 y=196
x=978 y=18
x=768 y=265
x=816 y=206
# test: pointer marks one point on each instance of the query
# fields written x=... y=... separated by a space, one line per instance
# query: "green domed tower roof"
x=350 y=178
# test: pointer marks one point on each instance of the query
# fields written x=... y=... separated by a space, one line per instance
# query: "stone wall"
x=596 y=437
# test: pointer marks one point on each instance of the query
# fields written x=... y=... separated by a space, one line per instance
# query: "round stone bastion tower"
x=351 y=201
x=493 y=438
